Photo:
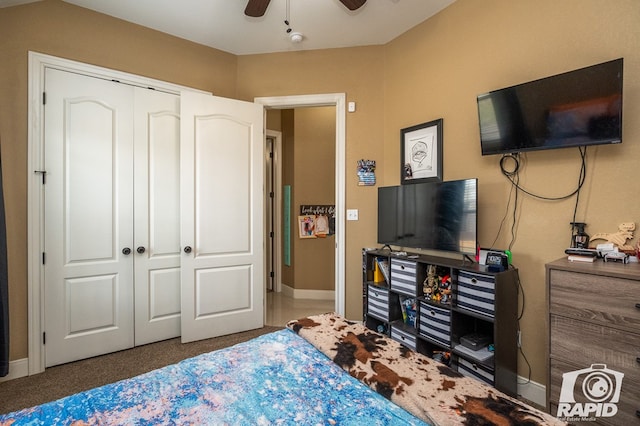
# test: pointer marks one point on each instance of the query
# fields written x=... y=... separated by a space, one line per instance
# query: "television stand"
x=478 y=339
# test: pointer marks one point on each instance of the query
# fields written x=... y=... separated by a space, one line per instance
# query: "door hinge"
x=271 y=194
x=44 y=338
x=43 y=173
x=44 y=258
x=44 y=98
x=271 y=234
x=271 y=274
x=271 y=154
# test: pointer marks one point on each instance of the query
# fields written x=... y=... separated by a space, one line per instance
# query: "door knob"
x=187 y=249
x=140 y=249
x=126 y=251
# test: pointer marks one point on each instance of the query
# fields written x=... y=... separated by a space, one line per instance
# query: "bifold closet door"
x=157 y=215
x=88 y=193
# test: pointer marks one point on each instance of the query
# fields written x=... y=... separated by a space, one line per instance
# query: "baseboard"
x=532 y=391
x=297 y=293
x=17 y=369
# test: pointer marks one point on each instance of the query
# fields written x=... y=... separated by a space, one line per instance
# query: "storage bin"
x=476 y=292
x=405 y=338
x=475 y=370
x=378 y=302
x=435 y=324
x=403 y=276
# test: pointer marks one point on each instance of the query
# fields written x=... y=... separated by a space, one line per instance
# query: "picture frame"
x=307 y=226
x=421 y=152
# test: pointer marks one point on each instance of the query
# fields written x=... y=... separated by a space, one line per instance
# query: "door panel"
x=89 y=217
x=157 y=213
x=222 y=206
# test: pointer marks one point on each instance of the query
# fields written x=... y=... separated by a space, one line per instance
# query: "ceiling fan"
x=257 y=8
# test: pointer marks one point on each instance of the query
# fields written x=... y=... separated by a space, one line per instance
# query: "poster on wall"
x=324 y=218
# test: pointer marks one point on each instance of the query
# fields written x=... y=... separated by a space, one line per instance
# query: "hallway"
x=281 y=308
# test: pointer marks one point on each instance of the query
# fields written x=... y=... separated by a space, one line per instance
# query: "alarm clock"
x=496 y=262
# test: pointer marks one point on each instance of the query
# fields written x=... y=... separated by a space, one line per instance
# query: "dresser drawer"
x=606 y=300
x=582 y=343
x=476 y=292
x=378 y=302
x=403 y=276
x=435 y=324
x=405 y=338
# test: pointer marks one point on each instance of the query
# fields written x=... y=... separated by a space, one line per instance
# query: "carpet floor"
x=68 y=379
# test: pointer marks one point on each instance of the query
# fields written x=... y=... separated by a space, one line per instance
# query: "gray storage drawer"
x=402 y=336
x=378 y=302
x=435 y=324
x=403 y=276
x=476 y=292
x=475 y=370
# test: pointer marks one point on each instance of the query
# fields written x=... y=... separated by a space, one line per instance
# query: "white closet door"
x=222 y=216
x=157 y=215
x=89 y=217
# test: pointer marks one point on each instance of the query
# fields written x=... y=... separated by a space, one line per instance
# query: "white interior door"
x=157 y=215
x=222 y=204
x=89 y=217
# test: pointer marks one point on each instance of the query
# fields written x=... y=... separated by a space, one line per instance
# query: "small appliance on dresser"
x=594 y=341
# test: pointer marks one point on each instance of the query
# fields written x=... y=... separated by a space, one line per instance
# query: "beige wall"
x=314 y=169
x=435 y=70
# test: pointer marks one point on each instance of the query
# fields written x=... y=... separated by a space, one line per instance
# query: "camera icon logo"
x=590 y=392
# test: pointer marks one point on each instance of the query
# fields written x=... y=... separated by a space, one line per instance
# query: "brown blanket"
x=426 y=388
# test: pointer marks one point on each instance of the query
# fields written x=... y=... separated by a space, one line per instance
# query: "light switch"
x=352 y=214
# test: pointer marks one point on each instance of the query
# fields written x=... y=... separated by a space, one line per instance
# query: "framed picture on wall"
x=421 y=152
x=307 y=226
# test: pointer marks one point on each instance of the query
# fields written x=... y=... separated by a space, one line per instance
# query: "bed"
x=321 y=369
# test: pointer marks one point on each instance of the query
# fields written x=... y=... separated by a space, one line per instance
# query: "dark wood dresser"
x=594 y=320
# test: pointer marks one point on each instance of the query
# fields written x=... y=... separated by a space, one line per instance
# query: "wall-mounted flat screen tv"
x=431 y=215
x=577 y=108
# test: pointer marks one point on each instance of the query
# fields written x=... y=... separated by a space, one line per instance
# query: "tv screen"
x=432 y=215
x=576 y=108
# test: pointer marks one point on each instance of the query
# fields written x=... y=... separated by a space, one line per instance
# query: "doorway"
x=336 y=100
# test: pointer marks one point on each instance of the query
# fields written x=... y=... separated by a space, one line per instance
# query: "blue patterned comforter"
x=275 y=379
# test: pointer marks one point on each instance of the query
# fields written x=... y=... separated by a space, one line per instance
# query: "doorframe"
x=338 y=100
x=38 y=63
x=276 y=164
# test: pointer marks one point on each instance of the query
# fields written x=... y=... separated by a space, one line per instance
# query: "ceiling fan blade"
x=256 y=8
x=353 y=4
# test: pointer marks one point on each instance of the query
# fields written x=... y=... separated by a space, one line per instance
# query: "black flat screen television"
x=577 y=108
x=432 y=215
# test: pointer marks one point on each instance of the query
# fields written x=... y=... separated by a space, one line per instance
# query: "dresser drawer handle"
x=638 y=360
x=637 y=305
x=637 y=413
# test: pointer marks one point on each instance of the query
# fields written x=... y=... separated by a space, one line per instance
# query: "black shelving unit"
x=477 y=302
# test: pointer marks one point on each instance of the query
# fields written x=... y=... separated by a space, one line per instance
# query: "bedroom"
x=435 y=70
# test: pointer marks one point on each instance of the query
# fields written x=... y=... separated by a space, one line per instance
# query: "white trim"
x=532 y=391
x=38 y=63
x=307 y=294
x=18 y=368
x=276 y=163
x=338 y=100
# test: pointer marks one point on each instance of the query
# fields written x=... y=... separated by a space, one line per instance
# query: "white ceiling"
x=222 y=24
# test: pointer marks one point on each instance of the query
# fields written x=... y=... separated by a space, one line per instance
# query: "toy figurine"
x=625 y=232
x=445 y=289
